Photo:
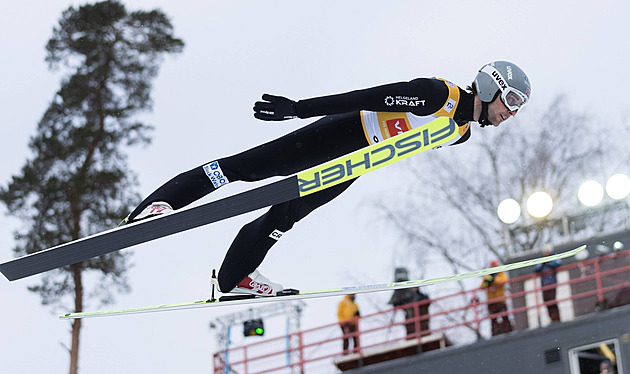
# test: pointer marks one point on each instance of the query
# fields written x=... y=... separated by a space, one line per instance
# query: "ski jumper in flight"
x=350 y=121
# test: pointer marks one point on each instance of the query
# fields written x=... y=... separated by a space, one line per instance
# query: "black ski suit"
x=343 y=129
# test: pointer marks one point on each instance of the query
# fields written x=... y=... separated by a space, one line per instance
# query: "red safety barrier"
x=458 y=318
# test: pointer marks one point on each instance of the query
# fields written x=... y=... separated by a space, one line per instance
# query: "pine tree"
x=77 y=182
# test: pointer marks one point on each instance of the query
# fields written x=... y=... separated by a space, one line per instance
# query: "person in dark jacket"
x=548 y=280
x=416 y=314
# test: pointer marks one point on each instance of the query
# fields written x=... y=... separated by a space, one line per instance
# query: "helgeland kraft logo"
x=404 y=101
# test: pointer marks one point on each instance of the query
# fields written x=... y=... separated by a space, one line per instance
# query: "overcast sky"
x=235 y=51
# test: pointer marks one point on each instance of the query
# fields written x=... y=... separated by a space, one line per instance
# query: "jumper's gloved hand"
x=275 y=108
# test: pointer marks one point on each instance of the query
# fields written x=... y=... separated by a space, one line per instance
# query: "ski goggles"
x=512 y=98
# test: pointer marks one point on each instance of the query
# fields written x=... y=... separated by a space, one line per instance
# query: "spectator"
x=348 y=313
x=495 y=287
x=547 y=271
x=410 y=296
x=605 y=367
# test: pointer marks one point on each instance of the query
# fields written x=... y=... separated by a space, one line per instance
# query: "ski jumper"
x=351 y=121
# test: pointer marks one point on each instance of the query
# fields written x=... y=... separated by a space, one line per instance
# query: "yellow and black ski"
x=294 y=294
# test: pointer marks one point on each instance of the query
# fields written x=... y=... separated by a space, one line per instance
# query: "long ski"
x=236 y=300
x=328 y=174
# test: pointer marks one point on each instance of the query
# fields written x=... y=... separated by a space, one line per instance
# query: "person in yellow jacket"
x=495 y=288
x=348 y=313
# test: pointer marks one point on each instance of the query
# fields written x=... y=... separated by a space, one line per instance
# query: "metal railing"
x=461 y=317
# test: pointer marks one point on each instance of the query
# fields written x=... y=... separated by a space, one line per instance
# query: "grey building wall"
x=544 y=350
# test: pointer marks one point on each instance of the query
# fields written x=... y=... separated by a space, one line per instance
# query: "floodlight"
x=509 y=210
x=618 y=186
x=590 y=193
x=539 y=204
